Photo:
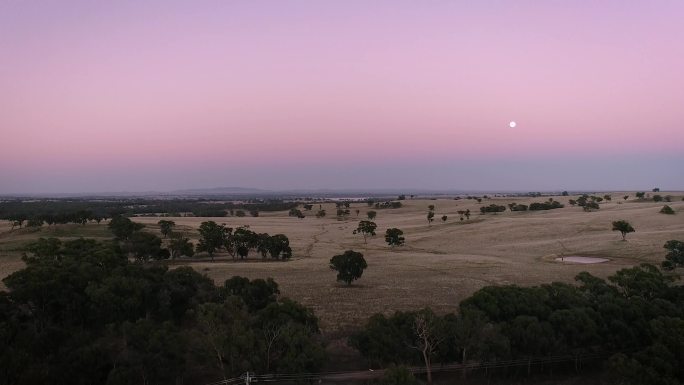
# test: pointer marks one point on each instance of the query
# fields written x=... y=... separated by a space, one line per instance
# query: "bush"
x=550 y=205
x=667 y=210
x=493 y=208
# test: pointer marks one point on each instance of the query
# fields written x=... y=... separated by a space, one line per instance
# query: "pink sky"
x=99 y=96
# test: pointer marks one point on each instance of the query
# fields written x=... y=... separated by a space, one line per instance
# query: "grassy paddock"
x=440 y=264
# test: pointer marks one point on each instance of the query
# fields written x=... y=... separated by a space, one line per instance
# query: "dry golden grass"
x=440 y=264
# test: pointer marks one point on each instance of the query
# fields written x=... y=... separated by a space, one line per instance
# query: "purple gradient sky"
x=121 y=95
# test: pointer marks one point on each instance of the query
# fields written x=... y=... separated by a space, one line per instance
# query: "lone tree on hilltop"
x=166 y=227
x=394 y=237
x=366 y=228
x=623 y=227
x=349 y=266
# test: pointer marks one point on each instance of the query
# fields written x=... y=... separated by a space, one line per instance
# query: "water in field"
x=578 y=259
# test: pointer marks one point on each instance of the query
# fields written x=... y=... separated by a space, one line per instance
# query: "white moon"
x=512 y=124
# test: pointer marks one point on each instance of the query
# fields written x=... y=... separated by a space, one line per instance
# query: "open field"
x=440 y=264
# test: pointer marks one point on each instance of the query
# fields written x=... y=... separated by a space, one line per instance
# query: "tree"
x=181 y=246
x=146 y=246
x=444 y=218
x=667 y=210
x=430 y=216
x=366 y=228
x=349 y=266
x=320 y=213
x=625 y=197
x=657 y=198
x=123 y=227
x=394 y=237
x=623 y=227
x=675 y=255
x=371 y=214
x=431 y=207
x=607 y=197
x=426 y=329
x=640 y=195
x=166 y=227
x=212 y=237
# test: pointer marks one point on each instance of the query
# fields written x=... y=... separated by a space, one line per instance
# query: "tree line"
x=636 y=315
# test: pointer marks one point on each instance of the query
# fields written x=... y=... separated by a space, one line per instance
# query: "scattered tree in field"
x=430 y=216
x=239 y=213
x=320 y=213
x=123 y=227
x=549 y=205
x=623 y=227
x=625 y=197
x=657 y=198
x=181 y=247
x=444 y=218
x=590 y=206
x=254 y=213
x=366 y=228
x=308 y=207
x=166 y=227
x=357 y=212
x=517 y=207
x=394 y=237
x=296 y=213
x=675 y=255
x=668 y=198
x=212 y=237
x=640 y=195
x=667 y=210
x=371 y=215
x=349 y=266
x=607 y=197
x=431 y=207
x=342 y=213
x=493 y=208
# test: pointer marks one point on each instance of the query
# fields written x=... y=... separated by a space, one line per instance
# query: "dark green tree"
x=349 y=266
x=623 y=227
x=212 y=237
x=366 y=228
x=166 y=227
x=394 y=237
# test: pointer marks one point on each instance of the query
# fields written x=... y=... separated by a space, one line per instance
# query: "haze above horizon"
x=303 y=95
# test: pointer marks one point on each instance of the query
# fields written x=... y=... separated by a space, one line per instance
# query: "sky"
x=124 y=95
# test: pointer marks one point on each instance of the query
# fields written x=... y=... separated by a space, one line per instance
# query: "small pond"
x=577 y=259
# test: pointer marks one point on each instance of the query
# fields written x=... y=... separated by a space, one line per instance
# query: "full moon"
x=512 y=124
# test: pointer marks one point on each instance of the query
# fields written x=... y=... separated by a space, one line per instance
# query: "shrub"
x=667 y=210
